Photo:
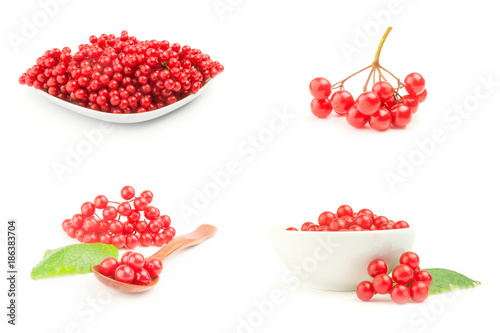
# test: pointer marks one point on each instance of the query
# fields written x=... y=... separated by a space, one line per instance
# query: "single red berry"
x=383 y=90
x=365 y=291
x=321 y=108
x=402 y=274
x=419 y=291
x=100 y=202
x=414 y=84
x=342 y=101
x=118 y=241
x=90 y=224
x=424 y=276
x=135 y=260
x=376 y=267
x=400 y=294
x=89 y=238
x=88 y=209
x=411 y=102
x=124 y=209
x=364 y=221
x=291 y=229
x=165 y=219
x=337 y=224
x=145 y=239
x=411 y=259
x=151 y=213
x=125 y=274
x=108 y=266
x=131 y=241
x=401 y=225
x=109 y=213
x=326 y=218
x=65 y=224
x=306 y=226
x=422 y=96
x=382 y=284
x=401 y=115
x=320 y=88
x=127 y=192
x=159 y=239
x=148 y=195
x=366 y=211
x=355 y=118
x=344 y=210
x=142 y=277
x=355 y=228
x=77 y=220
x=140 y=203
x=154 y=267
x=379 y=221
x=368 y=103
x=381 y=119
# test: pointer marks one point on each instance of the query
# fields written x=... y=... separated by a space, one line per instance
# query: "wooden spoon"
x=202 y=233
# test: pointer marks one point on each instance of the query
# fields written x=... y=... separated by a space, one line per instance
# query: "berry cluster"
x=144 y=225
x=347 y=220
x=133 y=268
x=408 y=280
x=122 y=74
x=381 y=107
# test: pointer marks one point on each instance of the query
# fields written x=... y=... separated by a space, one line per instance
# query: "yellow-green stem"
x=377 y=55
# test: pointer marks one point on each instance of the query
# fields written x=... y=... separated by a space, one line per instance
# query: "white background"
x=271 y=50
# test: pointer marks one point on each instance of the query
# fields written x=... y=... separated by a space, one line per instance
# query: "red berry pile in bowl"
x=345 y=219
x=132 y=268
x=406 y=282
x=381 y=107
x=122 y=75
x=125 y=224
x=333 y=255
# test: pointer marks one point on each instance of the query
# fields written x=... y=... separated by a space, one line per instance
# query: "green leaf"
x=77 y=258
x=445 y=280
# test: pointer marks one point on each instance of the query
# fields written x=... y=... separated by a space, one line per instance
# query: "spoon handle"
x=201 y=234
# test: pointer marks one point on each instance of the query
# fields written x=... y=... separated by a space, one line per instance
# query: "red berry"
x=401 y=225
x=88 y=209
x=77 y=220
x=344 y=210
x=379 y=221
x=381 y=119
x=419 y=291
x=368 y=103
x=326 y=218
x=320 y=88
x=135 y=261
x=108 y=266
x=291 y=229
x=154 y=267
x=382 y=284
x=127 y=192
x=337 y=224
x=383 y=90
x=376 y=267
x=321 y=108
x=342 y=101
x=65 y=224
x=125 y=274
x=401 y=115
x=142 y=277
x=306 y=226
x=366 y=211
x=400 y=294
x=365 y=291
x=140 y=203
x=355 y=118
x=411 y=102
x=422 y=96
x=414 y=84
x=118 y=241
x=100 y=202
x=424 y=276
x=124 y=209
x=402 y=274
x=90 y=224
x=145 y=239
x=148 y=195
x=411 y=259
x=364 y=221
x=131 y=241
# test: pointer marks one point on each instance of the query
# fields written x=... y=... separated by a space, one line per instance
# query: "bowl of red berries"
x=333 y=253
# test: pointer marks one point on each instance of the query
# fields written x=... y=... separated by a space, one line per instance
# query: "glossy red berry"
x=320 y=88
x=100 y=202
x=291 y=229
x=109 y=213
x=382 y=284
x=383 y=90
x=355 y=118
x=140 y=203
x=424 y=276
x=154 y=267
x=321 y=108
x=376 y=267
x=381 y=120
x=365 y=291
x=400 y=294
x=88 y=209
x=402 y=274
x=148 y=195
x=411 y=102
x=422 y=96
x=127 y=192
x=342 y=101
x=411 y=259
x=344 y=210
x=326 y=218
x=108 y=266
x=368 y=103
x=419 y=291
x=364 y=221
x=401 y=115
x=142 y=277
x=414 y=84
x=401 y=225
x=125 y=274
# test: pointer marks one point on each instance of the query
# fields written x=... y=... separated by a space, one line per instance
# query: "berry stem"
x=379 y=49
x=340 y=84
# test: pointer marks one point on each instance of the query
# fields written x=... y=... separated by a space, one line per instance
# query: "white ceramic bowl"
x=123 y=118
x=337 y=261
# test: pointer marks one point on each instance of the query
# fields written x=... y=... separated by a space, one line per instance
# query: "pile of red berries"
x=143 y=223
x=122 y=74
x=347 y=220
x=133 y=268
x=381 y=107
x=408 y=280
